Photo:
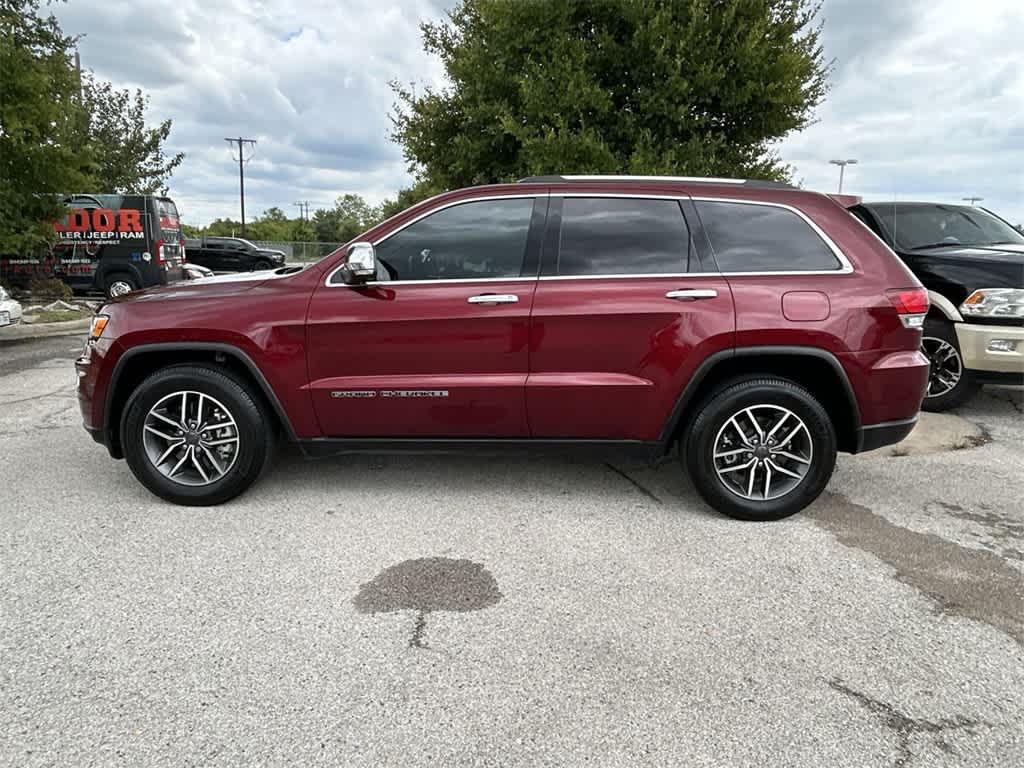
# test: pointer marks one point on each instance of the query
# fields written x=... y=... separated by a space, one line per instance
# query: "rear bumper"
x=974 y=348
x=887 y=433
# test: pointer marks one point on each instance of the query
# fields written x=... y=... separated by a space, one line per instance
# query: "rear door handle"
x=493 y=298
x=692 y=294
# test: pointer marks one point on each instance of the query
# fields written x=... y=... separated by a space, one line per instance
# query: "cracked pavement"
x=591 y=613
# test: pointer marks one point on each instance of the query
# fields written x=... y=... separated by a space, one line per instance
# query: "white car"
x=10 y=310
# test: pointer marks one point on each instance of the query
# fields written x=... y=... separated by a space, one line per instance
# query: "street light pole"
x=842 y=167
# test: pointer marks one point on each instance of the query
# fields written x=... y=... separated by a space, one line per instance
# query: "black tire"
x=255 y=430
x=116 y=282
x=698 y=447
x=261 y=264
x=938 y=337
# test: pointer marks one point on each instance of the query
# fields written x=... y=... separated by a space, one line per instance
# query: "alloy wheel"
x=119 y=288
x=763 y=452
x=191 y=438
x=946 y=366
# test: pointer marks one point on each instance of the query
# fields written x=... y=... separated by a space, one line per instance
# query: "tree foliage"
x=40 y=121
x=61 y=132
x=351 y=215
x=697 y=87
x=127 y=156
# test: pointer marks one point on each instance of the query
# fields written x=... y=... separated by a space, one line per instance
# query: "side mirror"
x=361 y=266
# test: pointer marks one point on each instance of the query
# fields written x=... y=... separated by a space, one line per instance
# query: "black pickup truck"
x=232 y=254
x=972 y=263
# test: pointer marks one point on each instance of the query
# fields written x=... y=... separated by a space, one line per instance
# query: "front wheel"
x=262 y=265
x=760 y=449
x=195 y=435
x=949 y=383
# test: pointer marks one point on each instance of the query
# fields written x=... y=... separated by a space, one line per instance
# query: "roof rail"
x=559 y=179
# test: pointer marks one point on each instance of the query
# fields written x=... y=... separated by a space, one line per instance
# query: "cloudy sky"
x=927 y=94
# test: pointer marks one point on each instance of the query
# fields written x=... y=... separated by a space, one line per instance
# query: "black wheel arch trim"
x=198 y=346
x=679 y=411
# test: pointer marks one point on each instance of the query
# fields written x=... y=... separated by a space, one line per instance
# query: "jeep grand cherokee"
x=759 y=327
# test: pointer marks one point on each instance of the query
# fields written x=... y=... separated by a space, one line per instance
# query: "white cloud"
x=927 y=94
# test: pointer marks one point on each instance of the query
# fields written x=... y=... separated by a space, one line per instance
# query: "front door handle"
x=493 y=298
x=692 y=294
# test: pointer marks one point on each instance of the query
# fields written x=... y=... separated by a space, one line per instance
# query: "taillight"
x=181 y=247
x=911 y=305
x=159 y=251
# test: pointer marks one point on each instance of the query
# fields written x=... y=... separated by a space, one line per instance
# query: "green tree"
x=127 y=155
x=350 y=216
x=272 y=224
x=40 y=118
x=407 y=197
x=698 y=87
x=223 y=228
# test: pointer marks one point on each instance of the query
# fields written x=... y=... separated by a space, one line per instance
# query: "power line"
x=242 y=160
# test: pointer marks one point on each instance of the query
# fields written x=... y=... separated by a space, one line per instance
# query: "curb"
x=42 y=330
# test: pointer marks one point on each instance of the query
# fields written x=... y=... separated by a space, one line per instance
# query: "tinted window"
x=763 y=238
x=621 y=236
x=921 y=226
x=481 y=239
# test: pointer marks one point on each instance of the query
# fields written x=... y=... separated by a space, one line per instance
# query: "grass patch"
x=57 y=316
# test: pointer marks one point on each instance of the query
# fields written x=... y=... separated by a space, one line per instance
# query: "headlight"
x=994 y=302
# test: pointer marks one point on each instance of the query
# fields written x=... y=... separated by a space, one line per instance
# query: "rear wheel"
x=120 y=283
x=760 y=449
x=949 y=383
x=195 y=435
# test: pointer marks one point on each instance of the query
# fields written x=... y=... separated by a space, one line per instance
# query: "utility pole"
x=303 y=206
x=973 y=200
x=242 y=160
x=842 y=167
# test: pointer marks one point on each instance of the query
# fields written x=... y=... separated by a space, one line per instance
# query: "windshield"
x=920 y=226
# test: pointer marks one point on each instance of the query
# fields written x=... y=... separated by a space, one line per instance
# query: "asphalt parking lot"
x=496 y=611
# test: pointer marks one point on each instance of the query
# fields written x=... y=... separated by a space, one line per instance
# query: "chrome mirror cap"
x=362 y=263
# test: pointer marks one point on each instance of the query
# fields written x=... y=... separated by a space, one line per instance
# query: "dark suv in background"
x=972 y=263
x=232 y=254
x=758 y=327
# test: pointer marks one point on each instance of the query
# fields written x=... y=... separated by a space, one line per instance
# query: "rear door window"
x=752 y=237
x=621 y=236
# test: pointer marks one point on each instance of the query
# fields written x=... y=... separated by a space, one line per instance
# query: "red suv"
x=759 y=327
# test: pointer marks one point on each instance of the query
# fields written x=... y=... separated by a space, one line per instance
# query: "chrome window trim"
x=652 y=275
x=386 y=283
x=430 y=212
x=845 y=267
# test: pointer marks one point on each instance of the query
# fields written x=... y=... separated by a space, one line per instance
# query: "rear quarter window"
x=752 y=237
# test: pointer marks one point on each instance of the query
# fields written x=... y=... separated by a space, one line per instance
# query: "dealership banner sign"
x=82 y=233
